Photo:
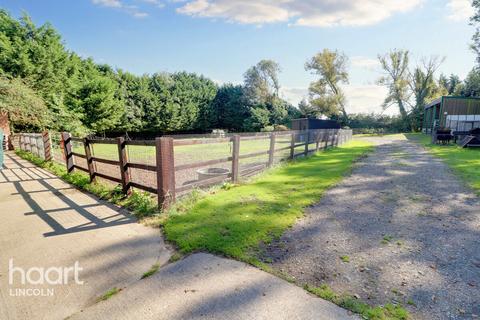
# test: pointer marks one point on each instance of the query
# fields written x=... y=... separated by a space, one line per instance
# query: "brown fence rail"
x=166 y=174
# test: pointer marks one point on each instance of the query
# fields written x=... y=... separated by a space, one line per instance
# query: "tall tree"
x=471 y=87
x=261 y=82
x=396 y=79
x=475 y=21
x=22 y=105
x=307 y=110
x=230 y=108
x=422 y=81
x=326 y=95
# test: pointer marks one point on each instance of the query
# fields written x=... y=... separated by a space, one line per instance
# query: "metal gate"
x=1 y=148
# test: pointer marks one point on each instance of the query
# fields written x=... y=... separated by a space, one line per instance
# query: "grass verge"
x=235 y=221
x=141 y=204
x=464 y=161
x=151 y=272
x=388 y=311
x=110 y=293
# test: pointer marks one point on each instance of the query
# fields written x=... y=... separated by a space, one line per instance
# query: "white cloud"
x=459 y=10
x=365 y=63
x=321 y=13
x=248 y=12
x=108 y=3
x=366 y=98
x=293 y=94
x=363 y=98
x=133 y=10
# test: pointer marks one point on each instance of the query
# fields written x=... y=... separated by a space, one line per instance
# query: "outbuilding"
x=459 y=114
x=313 y=124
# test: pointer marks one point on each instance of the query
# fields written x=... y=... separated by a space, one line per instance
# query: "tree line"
x=44 y=85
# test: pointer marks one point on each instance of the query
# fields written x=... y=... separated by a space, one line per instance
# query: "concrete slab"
x=44 y=223
x=203 y=286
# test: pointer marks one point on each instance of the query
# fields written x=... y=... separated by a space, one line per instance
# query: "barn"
x=313 y=124
x=459 y=114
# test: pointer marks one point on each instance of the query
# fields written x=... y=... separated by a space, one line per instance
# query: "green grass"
x=345 y=259
x=151 y=272
x=141 y=204
x=386 y=239
x=188 y=154
x=235 y=222
x=465 y=162
x=387 y=312
x=110 y=293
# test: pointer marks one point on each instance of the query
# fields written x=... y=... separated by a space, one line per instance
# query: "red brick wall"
x=4 y=124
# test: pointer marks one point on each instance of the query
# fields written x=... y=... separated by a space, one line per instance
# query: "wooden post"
x=67 y=143
x=271 y=152
x=235 y=157
x=47 y=150
x=307 y=140
x=124 y=170
x=317 y=140
x=292 y=145
x=88 y=155
x=165 y=172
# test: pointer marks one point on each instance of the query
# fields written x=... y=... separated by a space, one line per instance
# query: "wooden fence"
x=36 y=143
x=165 y=168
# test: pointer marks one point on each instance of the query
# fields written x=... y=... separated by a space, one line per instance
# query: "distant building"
x=312 y=124
x=456 y=113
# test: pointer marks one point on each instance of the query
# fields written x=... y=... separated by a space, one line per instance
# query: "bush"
x=267 y=129
x=281 y=127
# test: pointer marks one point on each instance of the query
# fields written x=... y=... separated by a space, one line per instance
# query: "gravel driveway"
x=401 y=228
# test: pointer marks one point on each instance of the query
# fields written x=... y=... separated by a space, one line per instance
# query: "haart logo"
x=37 y=276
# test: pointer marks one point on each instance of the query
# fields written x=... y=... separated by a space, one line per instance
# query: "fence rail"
x=163 y=172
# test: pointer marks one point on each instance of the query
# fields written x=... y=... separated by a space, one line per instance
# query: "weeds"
x=387 y=312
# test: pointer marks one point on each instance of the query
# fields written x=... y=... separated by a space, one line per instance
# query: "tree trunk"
x=401 y=107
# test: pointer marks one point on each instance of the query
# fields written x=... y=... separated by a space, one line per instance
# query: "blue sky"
x=223 y=38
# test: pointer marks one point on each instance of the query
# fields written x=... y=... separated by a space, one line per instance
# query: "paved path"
x=409 y=227
x=48 y=223
x=203 y=286
x=45 y=222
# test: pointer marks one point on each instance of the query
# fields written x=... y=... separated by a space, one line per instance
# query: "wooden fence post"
x=88 y=156
x=292 y=145
x=67 y=144
x=124 y=170
x=165 y=172
x=271 y=152
x=317 y=140
x=47 y=149
x=235 y=157
x=307 y=140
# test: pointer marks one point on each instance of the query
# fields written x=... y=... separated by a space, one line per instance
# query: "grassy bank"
x=140 y=203
x=235 y=222
x=465 y=162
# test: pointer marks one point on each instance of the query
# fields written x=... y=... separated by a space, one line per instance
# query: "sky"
x=221 y=39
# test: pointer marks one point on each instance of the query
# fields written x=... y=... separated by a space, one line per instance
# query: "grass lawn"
x=465 y=162
x=189 y=154
x=237 y=221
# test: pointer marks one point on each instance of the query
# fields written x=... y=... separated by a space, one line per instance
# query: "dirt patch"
x=402 y=228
